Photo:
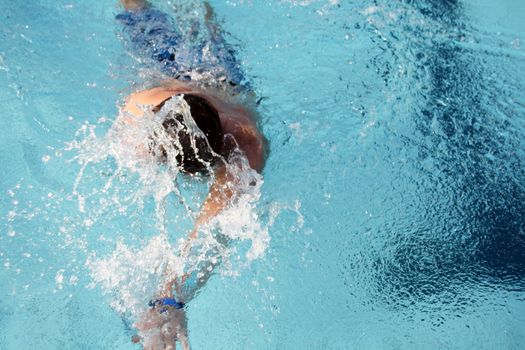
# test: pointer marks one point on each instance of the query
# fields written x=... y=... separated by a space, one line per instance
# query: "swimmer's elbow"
x=257 y=155
x=255 y=149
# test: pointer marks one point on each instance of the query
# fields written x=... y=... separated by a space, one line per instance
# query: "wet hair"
x=193 y=160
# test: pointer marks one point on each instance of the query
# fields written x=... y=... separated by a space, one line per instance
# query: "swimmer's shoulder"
x=149 y=97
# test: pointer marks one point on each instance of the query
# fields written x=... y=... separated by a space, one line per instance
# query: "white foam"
x=133 y=275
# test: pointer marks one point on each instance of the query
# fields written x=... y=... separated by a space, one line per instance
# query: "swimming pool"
x=392 y=197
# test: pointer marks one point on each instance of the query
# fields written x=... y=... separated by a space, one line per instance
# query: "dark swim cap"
x=193 y=160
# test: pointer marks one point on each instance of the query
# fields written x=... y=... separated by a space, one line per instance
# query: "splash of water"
x=133 y=275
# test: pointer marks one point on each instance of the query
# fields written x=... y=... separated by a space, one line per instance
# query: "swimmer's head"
x=194 y=150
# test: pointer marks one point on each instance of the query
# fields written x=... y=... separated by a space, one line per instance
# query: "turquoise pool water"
x=391 y=215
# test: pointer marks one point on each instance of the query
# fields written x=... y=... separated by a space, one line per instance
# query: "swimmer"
x=221 y=119
x=200 y=142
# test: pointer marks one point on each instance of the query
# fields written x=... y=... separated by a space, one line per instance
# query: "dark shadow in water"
x=479 y=235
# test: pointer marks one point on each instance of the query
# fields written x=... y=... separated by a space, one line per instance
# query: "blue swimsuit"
x=153 y=35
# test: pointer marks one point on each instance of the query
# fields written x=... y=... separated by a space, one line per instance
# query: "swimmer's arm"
x=218 y=198
x=252 y=143
x=151 y=97
x=254 y=146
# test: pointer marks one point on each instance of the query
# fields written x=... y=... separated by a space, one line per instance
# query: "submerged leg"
x=221 y=49
x=152 y=35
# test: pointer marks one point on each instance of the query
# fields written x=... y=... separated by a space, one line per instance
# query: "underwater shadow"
x=478 y=237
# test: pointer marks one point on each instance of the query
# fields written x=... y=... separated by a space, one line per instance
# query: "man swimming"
x=203 y=124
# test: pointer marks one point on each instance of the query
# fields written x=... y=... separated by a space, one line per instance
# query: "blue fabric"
x=171 y=302
x=160 y=303
x=153 y=35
